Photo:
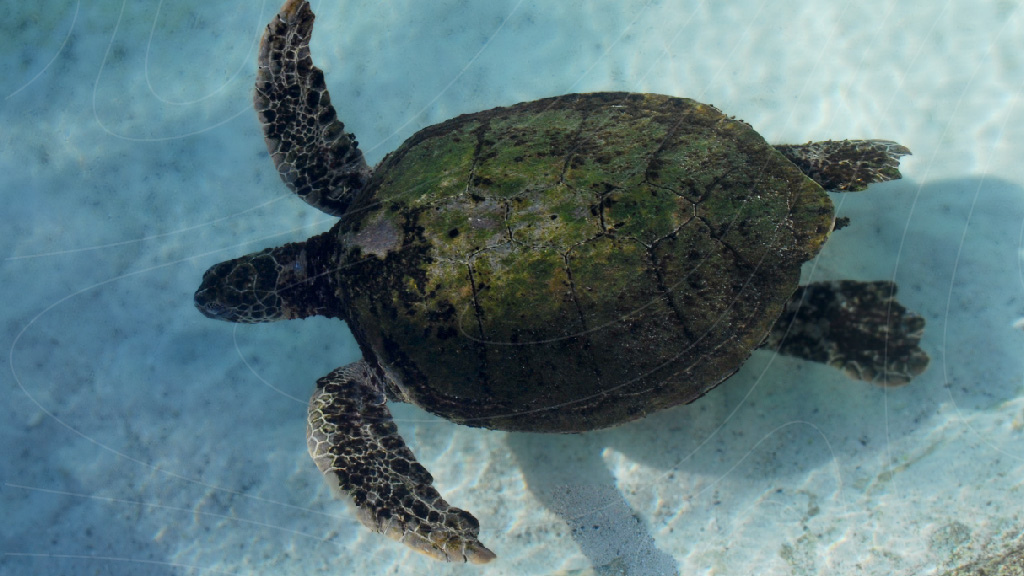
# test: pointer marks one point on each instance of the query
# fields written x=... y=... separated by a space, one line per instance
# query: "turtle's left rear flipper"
x=356 y=446
x=858 y=327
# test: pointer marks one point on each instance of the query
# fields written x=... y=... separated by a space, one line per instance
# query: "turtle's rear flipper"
x=847 y=165
x=316 y=158
x=356 y=446
x=858 y=327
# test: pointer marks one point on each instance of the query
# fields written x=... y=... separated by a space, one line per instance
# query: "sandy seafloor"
x=139 y=437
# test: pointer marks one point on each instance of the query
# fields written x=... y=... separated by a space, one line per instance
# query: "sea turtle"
x=560 y=265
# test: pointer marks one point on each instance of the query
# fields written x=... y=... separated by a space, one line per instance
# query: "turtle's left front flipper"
x=858 y=327
x=847 y=165
x=356 y=446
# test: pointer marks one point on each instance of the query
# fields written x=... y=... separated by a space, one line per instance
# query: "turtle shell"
x=574 y=262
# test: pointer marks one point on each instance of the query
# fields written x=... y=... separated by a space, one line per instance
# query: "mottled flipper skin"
x=858 y=327
x=847 y=165
x=317 y=159
x=355 y=444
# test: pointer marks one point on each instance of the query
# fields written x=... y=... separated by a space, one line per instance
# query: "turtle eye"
x=210 y=307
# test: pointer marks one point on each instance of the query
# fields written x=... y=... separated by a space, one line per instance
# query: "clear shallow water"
x=141 y=438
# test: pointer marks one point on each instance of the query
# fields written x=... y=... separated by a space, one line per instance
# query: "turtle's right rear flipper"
x=316 y=158
x=858 y=327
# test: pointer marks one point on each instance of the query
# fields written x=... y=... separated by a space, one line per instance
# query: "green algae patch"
x=429 y=168
x=576 y=262
x=523 y=154
x=614 y=150
x=646 y=213
x=557 y=217
x=522 y=295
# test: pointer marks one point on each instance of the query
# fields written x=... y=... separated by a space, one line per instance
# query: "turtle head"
x=292 y=281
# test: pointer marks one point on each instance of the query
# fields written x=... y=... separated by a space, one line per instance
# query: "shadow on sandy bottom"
x=955 y=228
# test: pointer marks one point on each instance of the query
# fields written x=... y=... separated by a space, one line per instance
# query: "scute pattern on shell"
x=578 y=261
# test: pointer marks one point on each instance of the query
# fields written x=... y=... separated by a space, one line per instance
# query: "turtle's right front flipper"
x=316 y=158
x=356 y=445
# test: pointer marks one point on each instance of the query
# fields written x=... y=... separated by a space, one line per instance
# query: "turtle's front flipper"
x=858 y=327
x=317 y=159
x=355 y=444
x=848 y=165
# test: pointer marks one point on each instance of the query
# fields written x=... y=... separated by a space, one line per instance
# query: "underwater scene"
x=881 y=436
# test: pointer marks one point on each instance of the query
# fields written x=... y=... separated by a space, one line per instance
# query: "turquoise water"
x=141 y=438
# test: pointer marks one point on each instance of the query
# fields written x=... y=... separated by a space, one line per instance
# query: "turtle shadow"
x=583 y=493
x=779 y=417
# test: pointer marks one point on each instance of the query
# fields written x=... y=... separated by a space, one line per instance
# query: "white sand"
x=140 y=438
